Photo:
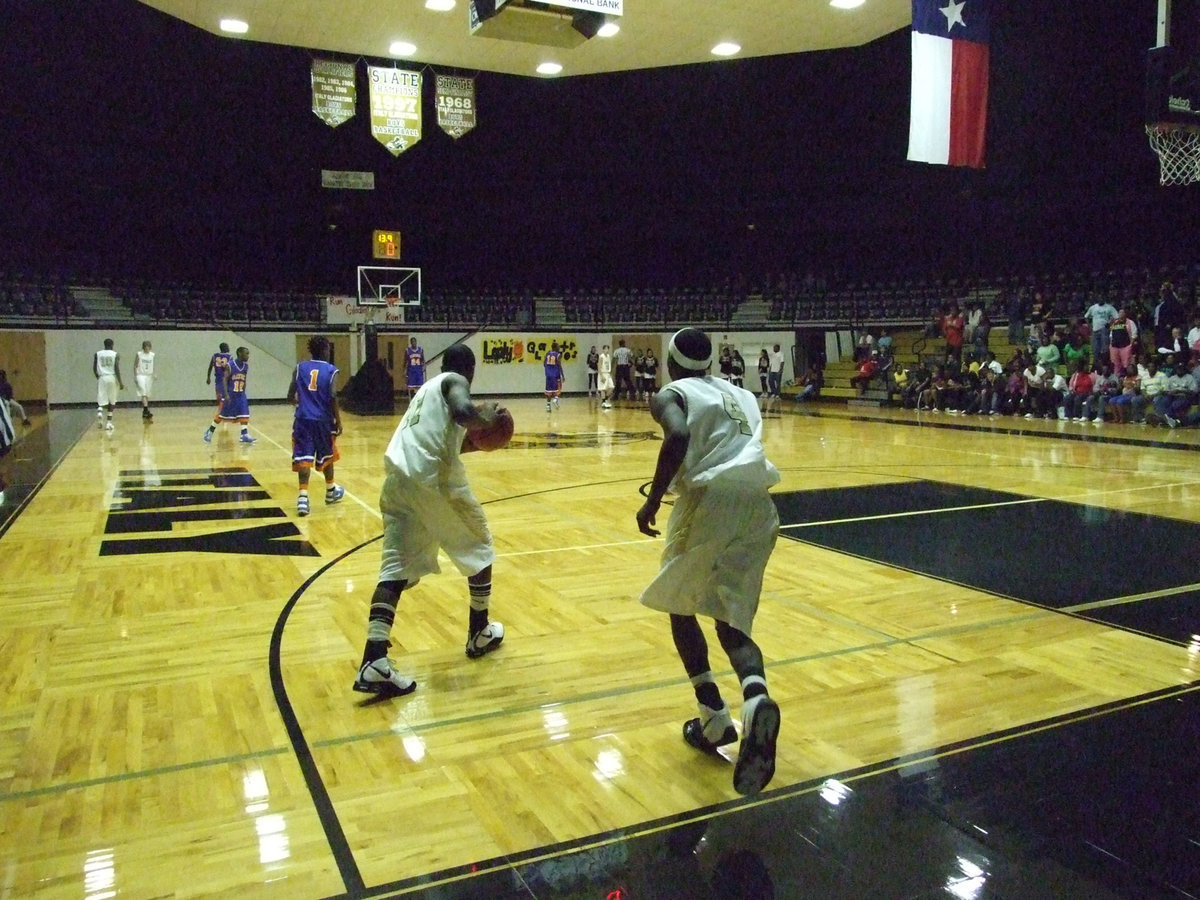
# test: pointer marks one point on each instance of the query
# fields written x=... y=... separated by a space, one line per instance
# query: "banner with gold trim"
x=333 y=91
x=395 y=107
x=455 y=104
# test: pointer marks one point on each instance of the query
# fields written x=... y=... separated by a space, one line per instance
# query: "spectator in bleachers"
x=1033 y=404
x=1047 y=353
x=1173 y=403
x=864 y=346
x=1016 y=311
x=910 y=382
x=1193 y=336
x=1176 y=345
x=884 y=344
x=1105 y=386
x=953 y=325
x=865 y=372
x=1122 y=338
x=1101 y=314
x=1169 y=313
x=1122 y=403
x=1054 y=390
x=1150 y=385
x=1018 y=361
x=1080 y=388
x=810 y=383
x=1013 y=400
x=1074 y=352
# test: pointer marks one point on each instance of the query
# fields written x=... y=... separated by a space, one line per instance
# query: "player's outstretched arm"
x=667 y=409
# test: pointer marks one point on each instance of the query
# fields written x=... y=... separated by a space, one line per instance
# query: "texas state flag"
x=949 y=82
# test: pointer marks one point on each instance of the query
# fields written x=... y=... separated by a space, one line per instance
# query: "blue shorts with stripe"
x=313 y=445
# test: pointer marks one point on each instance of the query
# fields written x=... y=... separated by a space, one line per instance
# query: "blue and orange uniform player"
x=317 y=424
x=552 y=362
x=218 y=366
x=235 y=407
x=414 y=365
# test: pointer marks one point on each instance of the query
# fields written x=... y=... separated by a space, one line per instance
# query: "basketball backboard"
x=386 y=286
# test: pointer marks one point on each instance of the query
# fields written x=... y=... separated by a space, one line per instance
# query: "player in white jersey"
x=144 y=378
x=106 y=366
x=720 y=535
x=427 y=504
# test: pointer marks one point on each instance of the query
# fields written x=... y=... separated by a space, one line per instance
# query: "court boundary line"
x=514 y=861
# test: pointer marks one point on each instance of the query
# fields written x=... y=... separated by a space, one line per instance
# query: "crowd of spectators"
x=1127 y=362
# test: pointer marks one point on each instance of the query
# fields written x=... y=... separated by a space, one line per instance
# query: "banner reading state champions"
x=333 y=91
x=395 y=107
x=455 y=104
x=503 y=350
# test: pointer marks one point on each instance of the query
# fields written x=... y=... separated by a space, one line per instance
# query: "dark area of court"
x=1046 y=552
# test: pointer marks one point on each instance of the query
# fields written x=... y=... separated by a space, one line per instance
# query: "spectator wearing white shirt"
x=1152 y=385
x=775 y=371
x=1174 y=403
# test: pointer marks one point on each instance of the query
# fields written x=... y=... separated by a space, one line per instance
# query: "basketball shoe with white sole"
x=379 y=676
x=485 y=640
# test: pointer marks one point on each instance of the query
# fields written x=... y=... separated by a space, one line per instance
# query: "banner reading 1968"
x=333 y=91
x=455 y=104
x=395 y=107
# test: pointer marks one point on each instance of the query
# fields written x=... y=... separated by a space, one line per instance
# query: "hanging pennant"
x=395 y=107
x=455 y=104
x=333 y=94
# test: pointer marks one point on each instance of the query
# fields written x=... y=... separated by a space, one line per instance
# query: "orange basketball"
x=496 y=436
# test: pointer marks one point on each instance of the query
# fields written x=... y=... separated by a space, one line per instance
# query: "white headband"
x=686 y=361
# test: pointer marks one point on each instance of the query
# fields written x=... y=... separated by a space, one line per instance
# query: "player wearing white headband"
x=720 y=535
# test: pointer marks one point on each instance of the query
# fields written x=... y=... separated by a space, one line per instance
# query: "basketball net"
x=1178 y=149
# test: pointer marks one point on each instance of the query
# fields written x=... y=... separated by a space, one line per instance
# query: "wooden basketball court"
x=179 y=648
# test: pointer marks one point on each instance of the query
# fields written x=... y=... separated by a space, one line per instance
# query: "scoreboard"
x=385 y=245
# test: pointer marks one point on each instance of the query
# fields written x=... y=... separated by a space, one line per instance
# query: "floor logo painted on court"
x=154 y=500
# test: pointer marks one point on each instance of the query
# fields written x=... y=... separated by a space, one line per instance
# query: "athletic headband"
x=686 y=361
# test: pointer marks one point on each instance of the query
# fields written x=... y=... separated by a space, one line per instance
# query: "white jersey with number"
x=427 y=443
x=106 y=363
x=726 y=435
x=145 y=363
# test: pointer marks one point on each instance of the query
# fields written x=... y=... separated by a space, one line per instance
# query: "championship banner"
x=455 y=104
x=505 y=350
x=395 y=107
x=333 y=94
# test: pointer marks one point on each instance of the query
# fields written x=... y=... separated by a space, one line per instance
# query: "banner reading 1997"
x=455 y=104
x=395 y=107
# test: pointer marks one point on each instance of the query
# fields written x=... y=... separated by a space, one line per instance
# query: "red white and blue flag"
x=949 y=82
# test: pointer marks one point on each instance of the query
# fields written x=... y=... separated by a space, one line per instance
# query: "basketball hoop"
x=1178 y=149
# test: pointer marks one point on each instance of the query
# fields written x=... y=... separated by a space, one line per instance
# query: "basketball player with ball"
x=720 y=535
x=427 y=504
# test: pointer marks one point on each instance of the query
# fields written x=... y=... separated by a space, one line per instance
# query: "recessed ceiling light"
x=439 y=5
x=608 y=29
x=549 y=68
x=234 y=26
x=402 y=48
x=846 y=4
x=726 y=48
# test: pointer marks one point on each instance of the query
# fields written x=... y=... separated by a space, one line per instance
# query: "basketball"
x=495 y=437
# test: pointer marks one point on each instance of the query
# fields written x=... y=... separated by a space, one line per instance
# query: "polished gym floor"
x=983 y=633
